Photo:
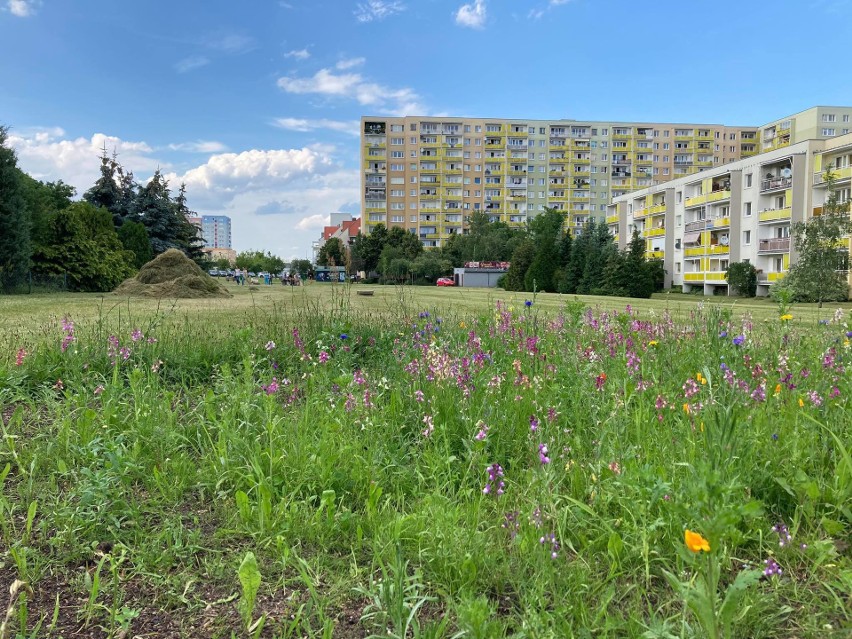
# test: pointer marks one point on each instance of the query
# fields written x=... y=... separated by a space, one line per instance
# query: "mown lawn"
x=423 y=463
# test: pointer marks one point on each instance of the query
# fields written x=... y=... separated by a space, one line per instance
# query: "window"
x=678 y=220
x=413 y=153
x=414 y=179
x=413 y=167
x=828 y=132
x=604 y=131
x=844 y=131
x=397 y=218
x=677 y=267
x=846 y=118
x=398 y=193
x=413 y=192
x=829 y=117
x=397 y=206
x=467 y=128
x=748 y=179
x=413 y=219
x=413 y=205
x=397 y=167
x=412 y=127
x=679 y=197
x=747 y=209
x=396 y=127
x=746 y=238
x=397 y=141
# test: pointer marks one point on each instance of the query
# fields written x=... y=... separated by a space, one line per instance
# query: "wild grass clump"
x=508 y=473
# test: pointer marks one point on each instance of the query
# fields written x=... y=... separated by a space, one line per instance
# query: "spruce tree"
x=546 y=231
x=15 y=248
x=156 y=210
x=106 y=193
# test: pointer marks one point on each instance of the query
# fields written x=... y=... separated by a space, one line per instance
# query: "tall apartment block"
x=216 y=230
x=429 y=175
x=816 y=123
x=739 y=212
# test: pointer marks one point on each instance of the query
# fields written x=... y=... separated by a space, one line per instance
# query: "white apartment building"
x=739 y=212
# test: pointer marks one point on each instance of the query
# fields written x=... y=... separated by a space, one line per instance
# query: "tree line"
x=95 y=243
x=544 y=256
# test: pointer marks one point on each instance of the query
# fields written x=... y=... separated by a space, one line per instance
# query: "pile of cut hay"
x=171 y=274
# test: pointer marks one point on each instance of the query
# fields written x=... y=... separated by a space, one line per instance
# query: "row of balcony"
x=840 y=175
x=707 y=198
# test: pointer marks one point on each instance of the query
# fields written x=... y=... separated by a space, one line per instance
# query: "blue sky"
x=255 y=104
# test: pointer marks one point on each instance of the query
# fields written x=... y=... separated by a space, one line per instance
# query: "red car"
x=445 y=281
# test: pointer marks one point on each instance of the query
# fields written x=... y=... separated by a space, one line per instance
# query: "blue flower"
x=528 y=303
x=344 y=336
x=738 y=340
x=775 y=437
x=849 y=334
x=723 y=334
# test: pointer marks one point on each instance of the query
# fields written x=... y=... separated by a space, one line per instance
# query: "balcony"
x=718 y=196
x=776 y=184
x=840 y=175
x=639 y=214
x=693 y=277
x=612 y=219
x=654 y=255
x=718 y=249
x=698 y=200
x=656 y=209
x=695 y=251
x=773 y=215
x=659 y=232
x=716 y=276
x=700 y=225
x=719 y=223
x=775 y=245
x=765 y=278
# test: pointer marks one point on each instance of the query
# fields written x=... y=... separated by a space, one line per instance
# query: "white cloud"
x=377 y=10
x=350 y=63
x=199 y=146
x=266 y=192
x=22 y=8
x=304 y=125
x=47 y=155
x=228 y=173
x=313 y=222
x=472 y=15
x=191 y=63
x=353 y=85
x=299 y=54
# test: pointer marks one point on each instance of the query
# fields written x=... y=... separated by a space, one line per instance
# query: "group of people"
x=241 y=276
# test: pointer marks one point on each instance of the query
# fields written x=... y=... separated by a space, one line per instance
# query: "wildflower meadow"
x=517 y=469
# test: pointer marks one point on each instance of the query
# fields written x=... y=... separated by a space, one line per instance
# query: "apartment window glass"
x=828 y=131
x=414 y=179
x=748 y=179
x=604 y=131
x=829 y=117
x=666 y=133
x=746 y=238
x=747 y=209
x=412 y=127
x=413 y=167
x=467 y=128
x=397 y=167
x=680 y=196
x=397 y=154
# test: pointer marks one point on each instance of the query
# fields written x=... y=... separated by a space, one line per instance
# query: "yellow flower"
x=686 y=408
x=702 y=427
x=462 y=325
x=777 y=388
x=801 y=403
x=786 y=317
x=653 y=342
x=695 y=542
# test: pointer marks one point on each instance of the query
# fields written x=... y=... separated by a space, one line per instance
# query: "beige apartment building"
x=738 y=212
x=429 y=175
x=816 y=123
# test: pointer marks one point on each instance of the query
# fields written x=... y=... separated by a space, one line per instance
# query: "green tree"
x=639 y=274
x=819 y=274
x=430 y=266
x=15 y=247
x=597 y=250
x=155 y=209
x=83 y=245
x=520 y=264
x=408 y=244
x=42 y=199
x=106 y=192
x=367 y=249
x=577 y=260
x=303 y=267
x=134 y=238
x=189 y=235
x=546 y=234
x=742 y=278
x=332 y=253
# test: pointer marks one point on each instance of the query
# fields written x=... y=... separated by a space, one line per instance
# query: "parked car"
x=213 y=272
x=445 y=281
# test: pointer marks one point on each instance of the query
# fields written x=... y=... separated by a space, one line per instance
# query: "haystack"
x=172 y=274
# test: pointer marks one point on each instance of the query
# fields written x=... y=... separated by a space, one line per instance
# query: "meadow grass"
x=423 y=463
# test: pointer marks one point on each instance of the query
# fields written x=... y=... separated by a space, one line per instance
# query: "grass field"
x=423 y=462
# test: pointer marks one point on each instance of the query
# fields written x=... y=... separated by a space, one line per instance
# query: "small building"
x=330 y=274
x=480 y=274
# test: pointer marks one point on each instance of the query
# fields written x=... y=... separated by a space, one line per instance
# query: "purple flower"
x=136 y=335
x=533 y=423
x=270 y=345
x=495 y=479
x=772 y=567
x=738 y=340
x=849 y=334
x=528 y=303
x=723 y=334
x=542 y=454
x=344 y=336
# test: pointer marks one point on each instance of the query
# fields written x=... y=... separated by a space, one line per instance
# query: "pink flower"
x=323 y=357
x=136 y=335
x=99 y=389
x=615 y=467
x=19 y=357
x=270 y=345
x=430 y=426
